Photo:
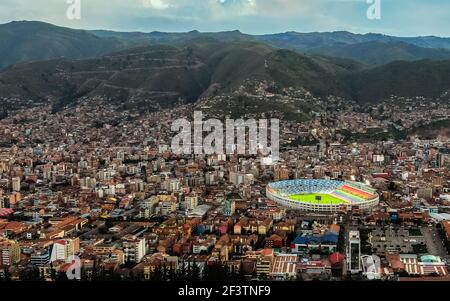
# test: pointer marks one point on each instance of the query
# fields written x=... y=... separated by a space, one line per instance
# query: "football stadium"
x=322 y=195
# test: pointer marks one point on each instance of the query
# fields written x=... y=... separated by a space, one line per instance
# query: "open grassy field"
x=311 y=198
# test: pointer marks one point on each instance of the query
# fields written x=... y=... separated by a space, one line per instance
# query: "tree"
x=132 y=276
x=218 y=272
x=100 y=274
x=103 y=230
x=164 y=273
x=61 y=277
x=241 y=275
x=233 y=274
x=195 y=272
x=108 y=223
x=392 y=186
x=157 y=274
x=35 y=275
x=6 y=274
x=23 y=275
x=181 y=275
x=211 y=273
x=171 y=274
x=128 y=263
x=53 y=274
x=206 y=273
x=189 y=271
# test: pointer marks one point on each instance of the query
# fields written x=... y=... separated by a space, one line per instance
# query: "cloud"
x=157 y=4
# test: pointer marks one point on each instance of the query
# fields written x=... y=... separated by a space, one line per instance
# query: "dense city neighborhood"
x=101 y=184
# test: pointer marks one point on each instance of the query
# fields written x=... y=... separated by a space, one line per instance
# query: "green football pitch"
x=312 y=198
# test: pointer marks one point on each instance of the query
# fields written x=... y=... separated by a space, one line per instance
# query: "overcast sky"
x=398 y=17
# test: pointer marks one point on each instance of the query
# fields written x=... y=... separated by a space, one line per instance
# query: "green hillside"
x=172 y=72
x=32 y=41
x=379 y=53
x=421 y=78
x=162 y=75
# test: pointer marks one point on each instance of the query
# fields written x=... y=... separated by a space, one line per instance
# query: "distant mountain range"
x=42 y=61
x=314 y=40
x=371 y=49
x=30 y=41
x=377 y=53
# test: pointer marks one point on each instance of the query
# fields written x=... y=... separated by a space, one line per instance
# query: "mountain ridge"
x=33 y=40
x=183 y=67
x=163 y=75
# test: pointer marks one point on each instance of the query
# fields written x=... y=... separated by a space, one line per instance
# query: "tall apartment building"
x=134 y=249
x=15 y=184
x=41 y=257
x=9 y=252
x=191 y=202
x=263 y=265
x=281 y=173
x=63 y=249
x=167 y=206
x=354 y=252
x=88 y=182
x=229 y=207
